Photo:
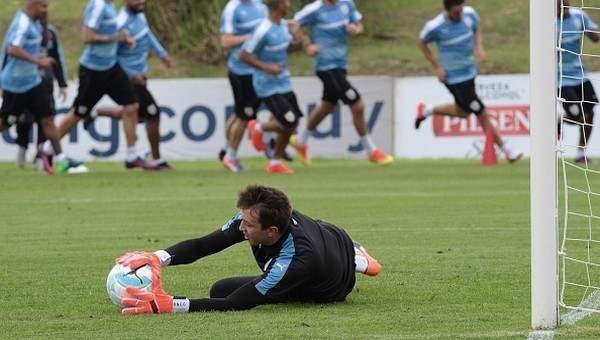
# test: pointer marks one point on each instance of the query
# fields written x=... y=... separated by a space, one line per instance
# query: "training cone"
x=489 y=151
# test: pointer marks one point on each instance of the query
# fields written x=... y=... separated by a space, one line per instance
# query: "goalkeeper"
x=302 y=260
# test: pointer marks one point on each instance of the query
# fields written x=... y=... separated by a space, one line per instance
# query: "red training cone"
x=489 y=150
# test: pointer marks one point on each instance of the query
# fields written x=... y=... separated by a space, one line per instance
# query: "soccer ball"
x=121 y=277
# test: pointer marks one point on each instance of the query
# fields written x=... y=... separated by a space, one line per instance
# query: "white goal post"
x=543 y=177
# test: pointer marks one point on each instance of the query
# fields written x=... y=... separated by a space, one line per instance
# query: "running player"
x=267 y=51
x=301 y=259
x=238 y=19
x=575 y=86
x=456 y=33
x=51 y=47
x=332 y=22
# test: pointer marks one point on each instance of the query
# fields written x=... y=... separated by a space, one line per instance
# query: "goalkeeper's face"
x=254 y=231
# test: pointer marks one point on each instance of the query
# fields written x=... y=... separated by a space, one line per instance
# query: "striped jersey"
x=101 y=16
x=455 y=43
x=570 y=32
x=269 y=43
x=134 y=61
x=241 y=18
x=18 y=75
x=328 y=30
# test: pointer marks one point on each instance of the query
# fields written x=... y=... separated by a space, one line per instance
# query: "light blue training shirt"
x=328 y=30
x=18 y=75
x=455 y=43
x=134 y=61
x=101 y=16
x=572 y=28
x=241 y=18
x=269 y=43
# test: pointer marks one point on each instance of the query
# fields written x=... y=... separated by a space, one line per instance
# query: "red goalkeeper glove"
x=145 y=302
x=137 y=259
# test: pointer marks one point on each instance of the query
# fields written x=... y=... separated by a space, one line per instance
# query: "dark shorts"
x=245 y=101
x=466 y=97
x=95 y=84
x=284 y=108
x=336 y=87
x=578 y=97
x=35 y=101
x=148 y=107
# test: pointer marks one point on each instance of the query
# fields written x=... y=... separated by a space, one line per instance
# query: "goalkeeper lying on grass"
x=302 y=260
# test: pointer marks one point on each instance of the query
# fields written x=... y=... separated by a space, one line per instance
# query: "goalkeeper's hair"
x=450 y=3
x=270 y=205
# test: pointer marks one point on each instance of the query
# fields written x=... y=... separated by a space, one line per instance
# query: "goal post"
x=543 y=166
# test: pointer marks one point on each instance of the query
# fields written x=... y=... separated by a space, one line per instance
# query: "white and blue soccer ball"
x=121 y=277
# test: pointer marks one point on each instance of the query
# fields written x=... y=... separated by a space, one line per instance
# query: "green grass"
x=452 y=235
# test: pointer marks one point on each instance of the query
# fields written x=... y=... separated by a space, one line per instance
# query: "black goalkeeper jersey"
x=313 y=261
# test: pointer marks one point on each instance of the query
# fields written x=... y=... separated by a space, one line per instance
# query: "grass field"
x=452 y=235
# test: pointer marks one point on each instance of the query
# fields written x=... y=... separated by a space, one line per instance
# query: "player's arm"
x=478 y=40
x=251 y=60
x=354 y=28
x=144 y=302
x=20 y=53
x=59 y=70
x=593 y=36
x=158 y=49
x=229 y=40
x=90 y=36
x=437 y=67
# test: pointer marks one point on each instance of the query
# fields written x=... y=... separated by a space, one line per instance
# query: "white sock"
x=47 y=148
x=428 y=111
x=231 y=153
x=61 y=157
x=580 y=152
x=367 y=143
x=303 y=136
x=361 y=263
x=131 y=154
x=274 y=161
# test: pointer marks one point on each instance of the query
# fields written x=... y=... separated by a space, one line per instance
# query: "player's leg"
x=364 y=262
x=287 y=113
x=425 y=110
x=23 y=128
x=225 y=287
x=41 y=106
x=121 y=90
x=589 y=100
x=150 y=113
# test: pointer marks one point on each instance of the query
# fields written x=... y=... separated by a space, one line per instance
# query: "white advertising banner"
x=193 y=115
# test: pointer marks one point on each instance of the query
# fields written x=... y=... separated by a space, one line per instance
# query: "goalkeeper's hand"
x=145 y=302
x=137 y=259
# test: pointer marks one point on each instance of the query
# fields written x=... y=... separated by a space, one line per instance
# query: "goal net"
x=578 y=59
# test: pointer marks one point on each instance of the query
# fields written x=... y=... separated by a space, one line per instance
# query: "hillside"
x=388 y=46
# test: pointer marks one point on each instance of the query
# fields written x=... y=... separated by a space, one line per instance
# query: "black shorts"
x=245 y=101
x=148 y=107
x=336 y=87
x=285 y=108
x=36 y=101
x=95 y=84
x=578 y=97
x=466 y=97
